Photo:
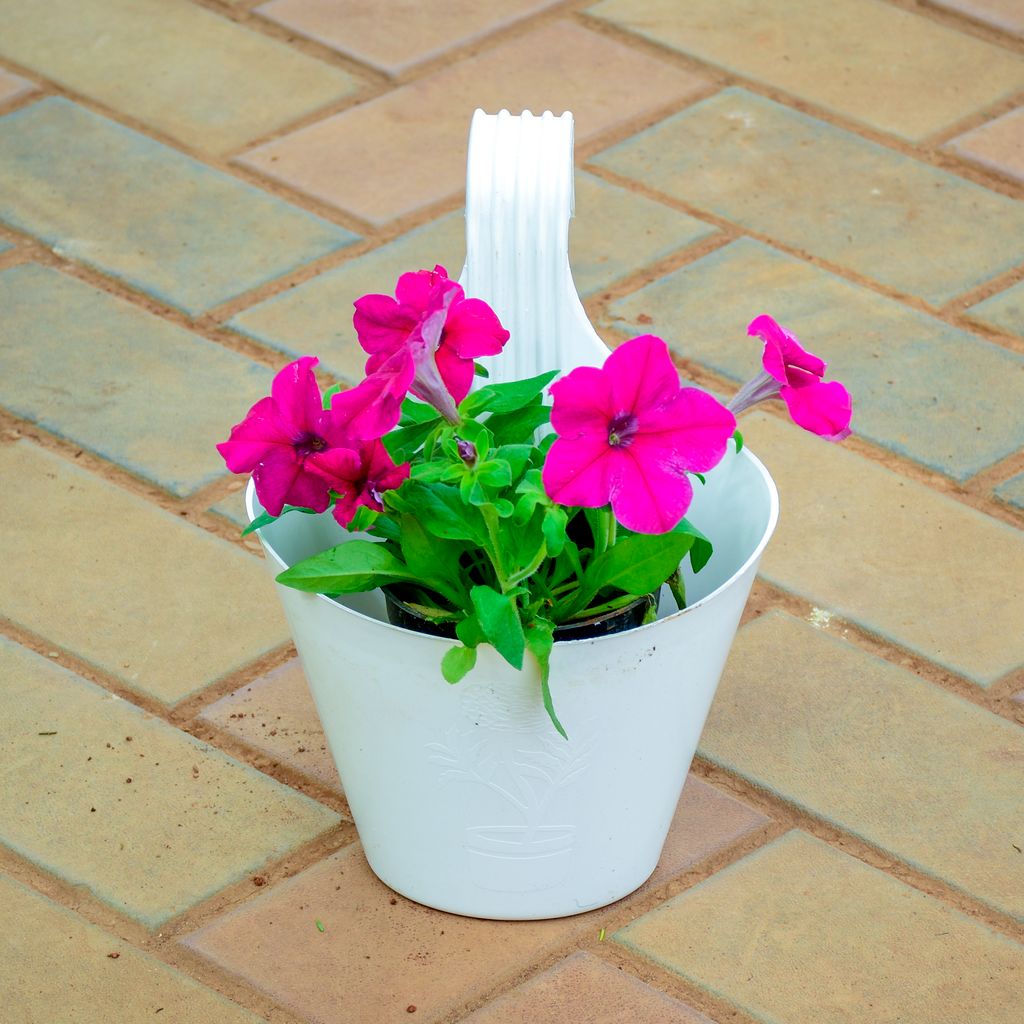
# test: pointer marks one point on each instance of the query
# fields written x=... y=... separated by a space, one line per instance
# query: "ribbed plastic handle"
x=519 y=199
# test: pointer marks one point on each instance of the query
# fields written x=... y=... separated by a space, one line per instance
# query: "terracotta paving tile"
x=581 y=989
x=56 y=967
x=921 y=388
x=116 y=200
x=407 y=148
x=200 y=78
x=895 y=71
x=865 y=745
x=147 y=817
x=276 y=714
x=1012 y=490
x=163 y=606
x=828 y=192
x=393 y=35
x=13 y=87
x=1004 y=310
x=800 y=932
x=380 y=953
x=146 y=394
x=914 y=566
x=1004 y=14
x=999 y=144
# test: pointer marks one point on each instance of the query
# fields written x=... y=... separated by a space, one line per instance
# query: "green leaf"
x=553 y=526
x=519 y=426
x=440 y=509
x=354 y=566
x=677 y=587
x=517 y=456
x=701 y=477
x=418 y=550
x=417 y=412
x=738 y=438
x=457 y=662
x=363 y=520
x=637 y=564
x=501 y=398
x=494 y=473
x=500 y=624
x=265 y=518
x=469 y=631
x=479 y=370
x=702 y=549
x=403 y=443
x=333 y=390
x=539 y=641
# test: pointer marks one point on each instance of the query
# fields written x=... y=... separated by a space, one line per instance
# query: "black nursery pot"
x=618 y=621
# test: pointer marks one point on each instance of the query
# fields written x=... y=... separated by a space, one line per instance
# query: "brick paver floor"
x=194 y=191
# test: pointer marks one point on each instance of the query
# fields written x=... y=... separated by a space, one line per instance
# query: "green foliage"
x=475 y=540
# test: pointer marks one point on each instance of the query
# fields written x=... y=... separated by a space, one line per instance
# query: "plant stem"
x=490 y=518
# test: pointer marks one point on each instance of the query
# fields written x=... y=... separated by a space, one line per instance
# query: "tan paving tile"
x=380 y=953
x=136 y=209
x=165 y=607
x=801 y=933
x=57 y=968
x=865 y=745
x=13 y=87
x=892 y=70
x=999 y=144
x=615 y=231
x=144 y=815
x=905 y=562
x=158 y=395
x=584 y=990
x=201 y=78
x=828 y=192
x=393 y=35
x=1004 y=14
x=901 y=364
x=315 y=317
x=406 y=149
x=276 y=714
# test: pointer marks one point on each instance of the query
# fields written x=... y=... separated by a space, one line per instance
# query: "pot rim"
x=773 y=518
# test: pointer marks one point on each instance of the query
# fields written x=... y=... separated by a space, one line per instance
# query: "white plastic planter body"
x=464 y=796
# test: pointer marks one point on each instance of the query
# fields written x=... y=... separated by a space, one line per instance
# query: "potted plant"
x=513 y=602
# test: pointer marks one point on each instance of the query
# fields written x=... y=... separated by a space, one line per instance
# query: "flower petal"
x=297 y=395
x=281 y=480
x=691 y=433
x=473 y=329
x=824 y=410
x=372 y=408
x=782 y=350
x=642 y=374
x=583 y=403
x=381 y=325
x=456 y=372
x=577 y=472
x=251 y=439
x=646 y=496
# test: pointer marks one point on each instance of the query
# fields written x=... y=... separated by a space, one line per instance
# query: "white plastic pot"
x=465 y=797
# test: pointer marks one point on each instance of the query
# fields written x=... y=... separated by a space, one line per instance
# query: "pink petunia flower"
x=431 y=325
x=362 y=481
x=795 y=376
x=629 y=434
x=282 y=438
